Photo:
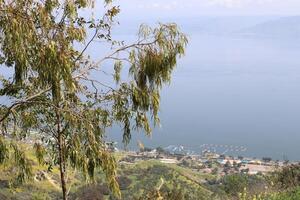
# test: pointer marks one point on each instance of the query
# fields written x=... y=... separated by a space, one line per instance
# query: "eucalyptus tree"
x=54 y=94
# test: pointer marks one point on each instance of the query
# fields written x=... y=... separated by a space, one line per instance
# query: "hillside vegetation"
x=134 y=181
x=151 y=179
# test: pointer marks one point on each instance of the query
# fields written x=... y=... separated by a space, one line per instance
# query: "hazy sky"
x=182 y=8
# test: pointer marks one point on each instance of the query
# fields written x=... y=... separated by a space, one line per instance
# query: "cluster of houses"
x=229 y=164
x=135 y=156
x=207 y=162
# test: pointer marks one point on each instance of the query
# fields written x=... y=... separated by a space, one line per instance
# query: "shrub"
x=288 y=177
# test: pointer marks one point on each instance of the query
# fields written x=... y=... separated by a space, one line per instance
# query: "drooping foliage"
x=54 y=99
x=13 y=152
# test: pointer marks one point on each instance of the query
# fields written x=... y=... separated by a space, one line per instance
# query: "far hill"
x=284 y=27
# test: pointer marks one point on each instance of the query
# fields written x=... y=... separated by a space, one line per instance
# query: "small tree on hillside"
x=52 y=90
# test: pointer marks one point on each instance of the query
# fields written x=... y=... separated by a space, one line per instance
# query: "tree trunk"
x=62 y=166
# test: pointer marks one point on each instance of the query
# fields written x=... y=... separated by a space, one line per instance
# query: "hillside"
x=134 y=180
x=285 y=27
x=221 y=25
x=139 y=181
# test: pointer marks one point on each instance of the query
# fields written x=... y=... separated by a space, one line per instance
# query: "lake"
x=233 y=90
x=230 y=92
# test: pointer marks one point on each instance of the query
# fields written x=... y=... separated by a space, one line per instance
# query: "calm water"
x=233 y=91
x=229 y=90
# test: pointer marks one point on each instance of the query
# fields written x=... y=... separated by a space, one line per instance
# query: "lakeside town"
x=206 y=162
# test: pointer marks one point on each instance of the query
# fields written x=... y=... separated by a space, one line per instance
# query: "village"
x=207 y=162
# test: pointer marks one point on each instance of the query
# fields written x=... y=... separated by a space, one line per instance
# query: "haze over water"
x=239 y=83
x=233 y=89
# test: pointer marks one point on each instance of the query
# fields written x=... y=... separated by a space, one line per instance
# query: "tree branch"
x=22 y=102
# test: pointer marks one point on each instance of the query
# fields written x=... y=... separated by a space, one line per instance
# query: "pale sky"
x=182 y=8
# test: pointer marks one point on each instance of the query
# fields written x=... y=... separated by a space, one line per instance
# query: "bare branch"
x=135 y=45
x=88 y=44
